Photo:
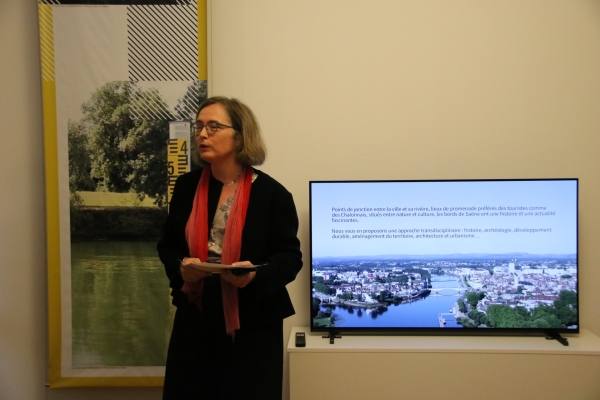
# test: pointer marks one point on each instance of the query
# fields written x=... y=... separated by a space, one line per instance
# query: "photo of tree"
x=118 y=203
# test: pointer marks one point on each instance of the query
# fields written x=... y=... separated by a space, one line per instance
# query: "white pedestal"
x=445 y=367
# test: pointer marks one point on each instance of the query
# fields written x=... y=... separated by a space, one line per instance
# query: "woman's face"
x=220 y=146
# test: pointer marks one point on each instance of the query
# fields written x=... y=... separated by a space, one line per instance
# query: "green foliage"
x=501 y=316
x=483 y=319
x=75 y=201
x=478 y=317
x=321 y=287
x=461 y=306
x=116 y=223
x=465 y=323
x=521 y=311
x=108 y=121
x=562 y=314
x=545 y=317
x=473 y=298
x=474 y=315
x=114 y=149
x=79 y=159
x=322 y=322
x=564 y=310
x=569 y=297
x=147 y=159
x=424 y=273
x=323 y=319
x=315 y=305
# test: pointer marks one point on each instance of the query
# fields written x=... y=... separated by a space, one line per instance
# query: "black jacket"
x=269 y=236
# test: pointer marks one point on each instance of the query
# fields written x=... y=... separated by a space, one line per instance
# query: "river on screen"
x=421 y=313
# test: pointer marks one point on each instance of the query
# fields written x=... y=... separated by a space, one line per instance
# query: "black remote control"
x=300 y=339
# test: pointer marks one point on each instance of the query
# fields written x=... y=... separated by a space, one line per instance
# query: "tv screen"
x=452 y=256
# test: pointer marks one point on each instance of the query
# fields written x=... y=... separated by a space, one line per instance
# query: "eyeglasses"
x=211 y=127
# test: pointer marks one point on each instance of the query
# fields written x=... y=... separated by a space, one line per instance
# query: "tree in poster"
x=125 y=153
x=145 y=146
x=120 y=143
x=79 y=163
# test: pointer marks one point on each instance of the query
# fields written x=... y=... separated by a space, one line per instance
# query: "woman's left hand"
x=239 y=281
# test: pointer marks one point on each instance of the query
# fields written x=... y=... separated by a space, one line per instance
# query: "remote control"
x=300 y=339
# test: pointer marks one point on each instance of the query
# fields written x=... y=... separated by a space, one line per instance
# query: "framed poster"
x=121 y=81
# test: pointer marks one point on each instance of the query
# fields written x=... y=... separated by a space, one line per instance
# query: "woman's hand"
x=239 y=281
x=189 y=273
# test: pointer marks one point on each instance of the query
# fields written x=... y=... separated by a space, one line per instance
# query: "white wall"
x=22 y=236
x=344 y=89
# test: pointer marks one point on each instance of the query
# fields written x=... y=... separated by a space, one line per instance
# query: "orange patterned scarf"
x=196 y=234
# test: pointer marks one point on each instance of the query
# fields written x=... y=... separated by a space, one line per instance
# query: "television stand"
x=332 y=336
x=556 y=336
x=360 y=365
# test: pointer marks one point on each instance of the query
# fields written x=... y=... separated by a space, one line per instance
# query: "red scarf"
x=196 y=234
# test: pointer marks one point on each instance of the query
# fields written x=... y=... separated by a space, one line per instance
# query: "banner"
x=121 y=83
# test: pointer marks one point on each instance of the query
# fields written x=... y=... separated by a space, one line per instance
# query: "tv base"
x=332 y=336
x=558 y=337
x=385 y=360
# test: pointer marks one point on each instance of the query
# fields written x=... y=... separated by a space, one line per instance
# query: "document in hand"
x=217 y=268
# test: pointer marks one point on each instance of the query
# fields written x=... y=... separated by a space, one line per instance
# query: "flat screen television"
x=444 y=256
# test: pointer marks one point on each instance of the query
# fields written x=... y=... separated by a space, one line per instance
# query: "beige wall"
x=344 y=89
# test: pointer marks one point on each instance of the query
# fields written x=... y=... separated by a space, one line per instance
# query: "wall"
x=22 y=236
x=344 y=89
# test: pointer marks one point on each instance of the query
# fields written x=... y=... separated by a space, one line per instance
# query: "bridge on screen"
x=457 y=292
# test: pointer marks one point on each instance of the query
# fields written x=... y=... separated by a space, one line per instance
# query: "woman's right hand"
x=189 y=273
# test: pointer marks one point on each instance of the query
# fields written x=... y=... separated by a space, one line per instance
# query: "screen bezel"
x=438 y=330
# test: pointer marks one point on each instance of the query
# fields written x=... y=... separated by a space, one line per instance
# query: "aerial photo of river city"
x=470 y=291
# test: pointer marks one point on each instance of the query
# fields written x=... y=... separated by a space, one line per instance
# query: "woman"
x=227 y=338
